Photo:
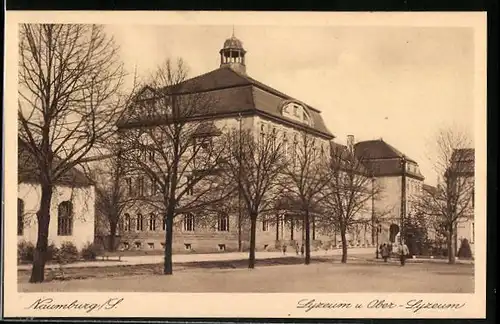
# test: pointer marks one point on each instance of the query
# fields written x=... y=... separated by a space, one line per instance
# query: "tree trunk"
x=449 y=245
x=277 y=227
x=253 y=228
x=112 y=236
x=307 y=224
x=40 y=253
x=314 y=228
x=344 y=245
x=169 y=224
x=374 y=231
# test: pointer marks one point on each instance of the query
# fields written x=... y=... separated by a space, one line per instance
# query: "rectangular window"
x=65 y=219
x=140 y=186
x=189 y=222
x=265 y=225
x=128 y=223
x=139 y=224
x=154 y=188
x=152 y=222
x=128 y=184
x=223 y=223
x=189 y=180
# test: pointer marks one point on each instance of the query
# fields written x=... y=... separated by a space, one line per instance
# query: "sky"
x=401 y=84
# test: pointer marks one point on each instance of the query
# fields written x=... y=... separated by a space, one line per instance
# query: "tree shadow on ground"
x=157 y=269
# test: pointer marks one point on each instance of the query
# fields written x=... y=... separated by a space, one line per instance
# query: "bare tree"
x=112 y=197
x=348 y=195
x=255 y=164
x=168 y=143
x=69 y=92
x=306 y=176
x=451 y=201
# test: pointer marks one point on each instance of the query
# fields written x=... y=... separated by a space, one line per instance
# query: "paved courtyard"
x=356 y=276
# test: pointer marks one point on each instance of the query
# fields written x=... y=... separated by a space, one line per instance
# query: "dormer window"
x=299 y=113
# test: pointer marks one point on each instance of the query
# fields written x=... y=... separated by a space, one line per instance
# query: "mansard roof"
x=237 y=93
x=341 y=154
x=384 y=159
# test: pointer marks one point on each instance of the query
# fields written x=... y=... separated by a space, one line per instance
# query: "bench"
x=111 y=256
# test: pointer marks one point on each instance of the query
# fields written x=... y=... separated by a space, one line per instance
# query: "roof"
x=236 y=93
x=342 y=152
x=233 y=43
x=384 y=159
x=28 y=170
x=378 y=149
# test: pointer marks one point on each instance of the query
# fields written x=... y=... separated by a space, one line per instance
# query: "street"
x=327 y=277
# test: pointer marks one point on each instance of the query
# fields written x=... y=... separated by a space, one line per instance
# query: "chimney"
x=350 y=143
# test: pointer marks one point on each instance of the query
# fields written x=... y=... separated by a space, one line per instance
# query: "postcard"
x=245 y=164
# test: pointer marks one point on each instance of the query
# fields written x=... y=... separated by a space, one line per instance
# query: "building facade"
x=72 y=206
x=241 y=103
x=463 y=162
x=246 y=104
x=400 y=181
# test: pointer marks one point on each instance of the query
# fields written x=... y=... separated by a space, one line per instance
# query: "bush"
x=25 y=251
x=90 y=251
x=464 y=252
x=67 y=253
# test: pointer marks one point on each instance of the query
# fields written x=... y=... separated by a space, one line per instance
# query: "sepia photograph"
x=237 y=157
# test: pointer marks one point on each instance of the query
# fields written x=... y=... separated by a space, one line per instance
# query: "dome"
x=233 y=43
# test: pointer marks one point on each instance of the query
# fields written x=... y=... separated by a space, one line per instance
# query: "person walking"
x=403 y=253
x=384 y=251
x=284 y=248
x=302 y=249
x=297 y=248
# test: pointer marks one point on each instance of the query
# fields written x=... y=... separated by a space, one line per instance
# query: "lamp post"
x=403 y=198
x=239 y=184
x=373 y=208
x=378 y=230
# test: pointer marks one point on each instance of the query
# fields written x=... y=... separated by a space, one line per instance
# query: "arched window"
x=65 y=219
x=20 y=216
x=128 y=223
x=152 y=222
x=139 y=224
